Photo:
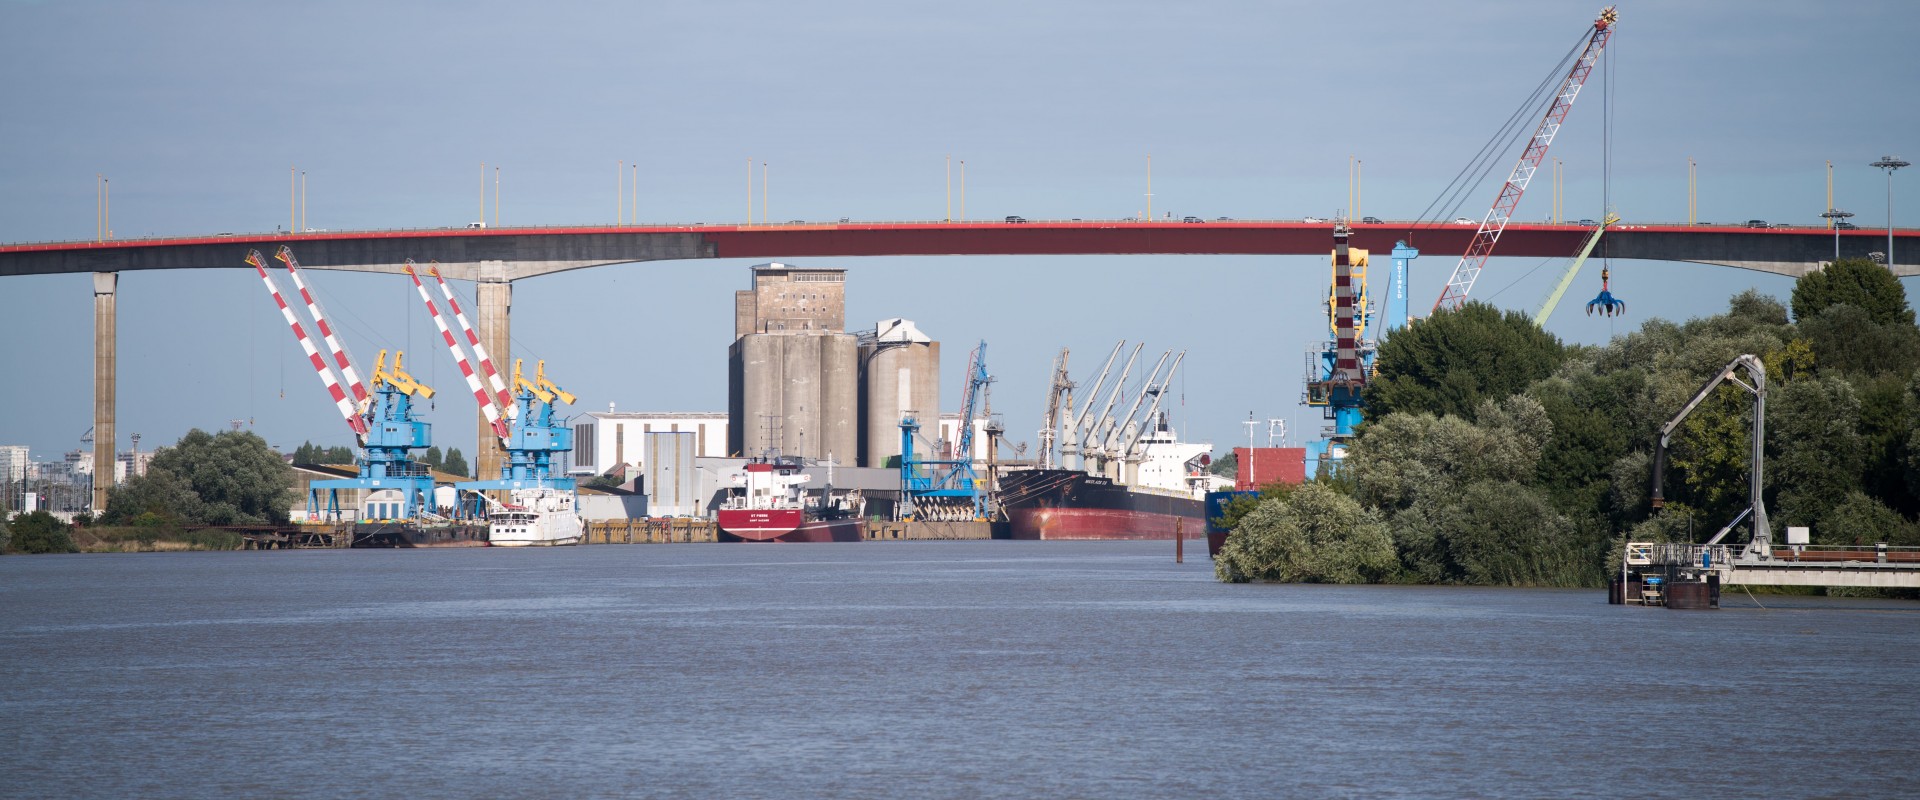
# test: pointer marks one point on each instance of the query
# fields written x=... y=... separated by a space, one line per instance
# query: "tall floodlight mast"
x=1495 y=222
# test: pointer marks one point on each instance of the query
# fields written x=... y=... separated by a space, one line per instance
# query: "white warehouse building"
x=606 y=440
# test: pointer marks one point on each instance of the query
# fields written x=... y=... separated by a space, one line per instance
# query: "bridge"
x=494 y=258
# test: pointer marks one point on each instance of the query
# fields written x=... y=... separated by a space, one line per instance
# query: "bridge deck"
x=516 y=253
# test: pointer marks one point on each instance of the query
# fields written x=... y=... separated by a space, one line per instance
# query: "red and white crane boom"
x=362 y=400
x=1495 y=222
x=339 y=395
x=479 y=351
x=487 y=407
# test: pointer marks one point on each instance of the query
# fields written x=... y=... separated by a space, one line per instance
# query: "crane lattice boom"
x=1495 y=222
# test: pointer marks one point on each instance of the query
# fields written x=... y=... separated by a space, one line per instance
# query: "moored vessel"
x=1161 y=501
x=768 y=503
x=536 y=517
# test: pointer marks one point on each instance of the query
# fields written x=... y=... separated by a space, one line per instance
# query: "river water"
x=935 y=669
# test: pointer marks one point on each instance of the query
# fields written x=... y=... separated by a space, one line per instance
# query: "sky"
x=195 y=111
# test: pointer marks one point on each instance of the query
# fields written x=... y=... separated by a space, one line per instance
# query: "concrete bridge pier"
x=105 y=365
x=493 y=295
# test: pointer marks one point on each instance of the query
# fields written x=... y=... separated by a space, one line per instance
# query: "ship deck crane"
x=1074 y=432
x=1495 y=222
x=1756 y=507
x=1111 y=446
x=1060 y=388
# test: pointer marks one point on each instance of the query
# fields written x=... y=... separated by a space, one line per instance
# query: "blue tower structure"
x=1338 y=371
x=1396 y=317
x=393 y=486
x=534 y=438
x=948 y=489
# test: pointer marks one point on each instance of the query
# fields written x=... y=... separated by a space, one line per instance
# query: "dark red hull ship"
x=784 y=525
x=1068 y=504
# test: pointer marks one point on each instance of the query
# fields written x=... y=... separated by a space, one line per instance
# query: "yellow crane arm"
x=520 y=382
x=398 y=377
x=540 y=378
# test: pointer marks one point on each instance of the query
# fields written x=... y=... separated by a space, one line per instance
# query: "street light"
x=1889 y=163
x=1835 y=216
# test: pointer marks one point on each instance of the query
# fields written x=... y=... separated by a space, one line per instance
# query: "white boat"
x=542 y=516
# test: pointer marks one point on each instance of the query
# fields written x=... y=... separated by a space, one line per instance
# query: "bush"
x=1313 y=535
x=41 y=532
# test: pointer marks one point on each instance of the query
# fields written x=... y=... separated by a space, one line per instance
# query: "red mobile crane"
x=1495 y=222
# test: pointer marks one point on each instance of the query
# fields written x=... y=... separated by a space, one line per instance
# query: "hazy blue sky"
x=1250 y=110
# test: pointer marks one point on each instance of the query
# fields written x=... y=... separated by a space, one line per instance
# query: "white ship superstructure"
x=541 y=516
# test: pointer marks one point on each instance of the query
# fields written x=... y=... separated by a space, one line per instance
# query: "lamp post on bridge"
x=1834 y=217
x=1889 y=163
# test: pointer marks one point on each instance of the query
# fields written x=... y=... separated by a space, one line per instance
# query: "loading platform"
x=1690 y=575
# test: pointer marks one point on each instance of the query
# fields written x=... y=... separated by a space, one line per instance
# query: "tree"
x=1855 y=282
x=1505 y=534
x=1314 y=535
x=159 y=497
x=1814 y=446
x=433 y=458
x=41 y=532
x=1860 y=520
x=1448 y=363
x=455 y=463
x=228 y=478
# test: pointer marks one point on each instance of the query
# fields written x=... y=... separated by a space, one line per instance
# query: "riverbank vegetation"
x=226 y=478
x=1492 y=454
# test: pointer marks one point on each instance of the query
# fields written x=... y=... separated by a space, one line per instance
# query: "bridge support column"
x=104 y=377
x=494 y=297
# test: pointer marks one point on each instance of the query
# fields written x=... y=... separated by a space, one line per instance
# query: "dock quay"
x=1681 y=576
x=675 y=530
x=683 y=530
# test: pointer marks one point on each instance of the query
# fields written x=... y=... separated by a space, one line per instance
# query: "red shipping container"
x=1264 y=465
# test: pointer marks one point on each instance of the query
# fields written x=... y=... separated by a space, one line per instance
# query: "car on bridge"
x=1312 y=220
x=1758 y=223
x=1191 y=219
x=1845 y=225
x=1370 y=220
x=1464 y=221
x=1015 y=219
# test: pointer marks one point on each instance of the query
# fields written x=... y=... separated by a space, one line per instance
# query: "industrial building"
x=605 y=441
x=792 y=377
x=899 y=377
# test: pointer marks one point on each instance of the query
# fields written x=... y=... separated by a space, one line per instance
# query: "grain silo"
x=793 y=370
x=899 y=375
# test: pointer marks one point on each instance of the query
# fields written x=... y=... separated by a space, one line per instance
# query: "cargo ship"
x=768 y=504
x=1162 y=499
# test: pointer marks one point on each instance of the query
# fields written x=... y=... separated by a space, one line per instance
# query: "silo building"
x=899 y=375
x=792 y=378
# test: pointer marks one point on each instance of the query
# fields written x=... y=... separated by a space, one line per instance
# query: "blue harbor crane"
x=947 y=489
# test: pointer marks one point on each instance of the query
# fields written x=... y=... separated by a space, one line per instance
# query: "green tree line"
x=1494 y=454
